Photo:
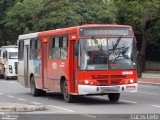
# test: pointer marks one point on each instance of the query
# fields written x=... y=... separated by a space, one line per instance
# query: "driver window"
x=5 y=55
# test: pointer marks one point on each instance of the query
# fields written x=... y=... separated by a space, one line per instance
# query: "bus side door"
x=44 y=63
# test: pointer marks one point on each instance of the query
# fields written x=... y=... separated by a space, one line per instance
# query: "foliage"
x=137 y=12
x=154 y=36
x=5 y=5
x=26 y=16
x=66 y=13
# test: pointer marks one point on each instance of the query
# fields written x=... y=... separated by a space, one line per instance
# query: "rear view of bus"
x=106 y=61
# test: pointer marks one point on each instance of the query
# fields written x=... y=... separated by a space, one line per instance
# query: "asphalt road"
x=145 y=101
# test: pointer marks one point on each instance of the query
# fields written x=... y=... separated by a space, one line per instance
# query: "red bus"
x=91 y=59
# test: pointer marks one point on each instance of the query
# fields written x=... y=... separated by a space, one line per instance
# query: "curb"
x=149 y=83
x=16 y=107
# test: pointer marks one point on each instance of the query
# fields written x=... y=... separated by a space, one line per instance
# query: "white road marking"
x=90 y=116
x=10 y=96
x=61 y=108
x=21 y=99
x=8 y=82
x=148 y=93
x=4 y=81
x=36 y=103
x=150 y=83
x=156 y=106
x=11 y=82
x=128 y=101
x=1 y=93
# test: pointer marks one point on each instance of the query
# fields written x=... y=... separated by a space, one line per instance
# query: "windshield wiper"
x=98 y=45
x=117 y=42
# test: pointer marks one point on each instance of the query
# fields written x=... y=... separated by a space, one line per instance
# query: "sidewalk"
x=150 y=78
x=17 y=107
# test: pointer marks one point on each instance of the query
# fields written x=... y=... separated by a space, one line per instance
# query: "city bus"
x=8 y=61
x=91 y=59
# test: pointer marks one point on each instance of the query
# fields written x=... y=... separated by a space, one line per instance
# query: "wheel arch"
x=31 y=75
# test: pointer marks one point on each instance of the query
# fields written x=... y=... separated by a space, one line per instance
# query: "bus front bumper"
x=90 y=89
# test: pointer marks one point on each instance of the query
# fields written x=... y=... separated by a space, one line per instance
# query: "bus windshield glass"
x=13 y=55
x=107 y=53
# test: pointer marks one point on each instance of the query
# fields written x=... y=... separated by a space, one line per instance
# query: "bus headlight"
x=131 y=81
x=86 y=81
x=10 y=69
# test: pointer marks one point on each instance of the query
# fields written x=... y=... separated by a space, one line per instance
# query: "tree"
x=5 y=5
x=66 y=13
x=38 y=15
x=142 y=15
x=21 y=17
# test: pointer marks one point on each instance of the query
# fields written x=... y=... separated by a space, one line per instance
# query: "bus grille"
x=15 y=64
x=115 y=81
x=102 y=82
x=109 y=79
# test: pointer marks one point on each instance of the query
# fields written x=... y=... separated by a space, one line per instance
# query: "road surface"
x=146 y=100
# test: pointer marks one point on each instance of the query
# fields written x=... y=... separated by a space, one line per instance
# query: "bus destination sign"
x=103 y=31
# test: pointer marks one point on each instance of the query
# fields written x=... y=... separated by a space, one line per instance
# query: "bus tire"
x=34 y=90
x=5 y=77
x=113 y=97
x=67 y=97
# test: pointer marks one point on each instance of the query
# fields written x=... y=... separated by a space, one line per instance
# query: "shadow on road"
x=83 y=100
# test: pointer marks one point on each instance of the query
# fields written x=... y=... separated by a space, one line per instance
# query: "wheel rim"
x=5 y=75
x=65 y=91
x=32 y=86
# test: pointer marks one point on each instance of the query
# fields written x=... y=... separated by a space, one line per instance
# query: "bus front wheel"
x=5 y=76
x=67 y=97
x=114 y=97
x=34 y=90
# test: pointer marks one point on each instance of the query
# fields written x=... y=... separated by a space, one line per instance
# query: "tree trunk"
x=142 y=53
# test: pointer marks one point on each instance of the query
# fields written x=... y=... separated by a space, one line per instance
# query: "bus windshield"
x=107 y=53
x=13 y=55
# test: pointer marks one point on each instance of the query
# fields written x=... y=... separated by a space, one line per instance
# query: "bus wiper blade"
x=96 y=42
x=117 y=42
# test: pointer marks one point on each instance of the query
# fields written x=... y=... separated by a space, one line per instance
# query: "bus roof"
x=66 y=30
x=10 y=46
x=28 y=36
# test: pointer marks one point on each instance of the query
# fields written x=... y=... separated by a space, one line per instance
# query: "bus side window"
x=32 y=49
x=37 y=48
x=51 y=41
x=64 y=47
x=20 y=50
x=76 y=48
x=55 y=51
x=4 y=55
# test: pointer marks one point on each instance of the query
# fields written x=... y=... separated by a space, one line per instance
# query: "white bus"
x=8 y=61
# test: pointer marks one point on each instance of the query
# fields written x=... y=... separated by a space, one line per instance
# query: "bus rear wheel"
x=67 y=97
x=5 y=77
x=114 y=97
x=34 y=90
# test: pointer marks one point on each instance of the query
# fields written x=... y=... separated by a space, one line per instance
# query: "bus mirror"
x=76 y=49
